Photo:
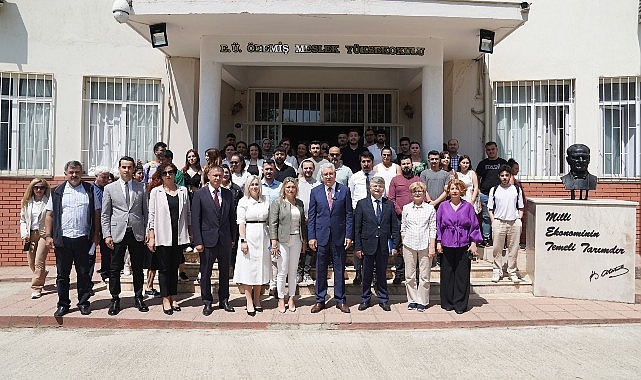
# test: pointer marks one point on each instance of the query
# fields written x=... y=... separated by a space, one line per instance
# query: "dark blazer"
x=56 y=199
x=369 y=234
x=337 y=223
x=210 y=225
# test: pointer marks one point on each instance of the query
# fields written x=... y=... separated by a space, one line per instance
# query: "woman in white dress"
x=469 y=178
x=253 y=262
x=387 y=169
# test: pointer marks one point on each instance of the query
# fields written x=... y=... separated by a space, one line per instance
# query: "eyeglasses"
x=168 y=173
x=39 y=188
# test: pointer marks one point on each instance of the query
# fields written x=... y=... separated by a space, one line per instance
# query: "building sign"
x=582 y=249
x=306 y=48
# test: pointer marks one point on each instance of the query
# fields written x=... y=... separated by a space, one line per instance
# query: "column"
x=209 y=104
x=432 y=106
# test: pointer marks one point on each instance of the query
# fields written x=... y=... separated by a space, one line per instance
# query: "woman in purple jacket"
x=457 y=231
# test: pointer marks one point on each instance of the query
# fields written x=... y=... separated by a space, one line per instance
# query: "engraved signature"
x=617 y=271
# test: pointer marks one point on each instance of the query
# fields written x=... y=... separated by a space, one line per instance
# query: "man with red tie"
x=330 y=228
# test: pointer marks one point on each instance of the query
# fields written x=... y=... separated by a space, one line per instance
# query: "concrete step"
x=478 y=286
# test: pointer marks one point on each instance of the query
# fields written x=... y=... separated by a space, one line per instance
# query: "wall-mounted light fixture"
x=158 y=35
x=408 y=111
x=486 y=41
x=237 y=107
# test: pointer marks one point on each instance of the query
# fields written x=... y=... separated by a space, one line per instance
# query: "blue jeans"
x=486 y=225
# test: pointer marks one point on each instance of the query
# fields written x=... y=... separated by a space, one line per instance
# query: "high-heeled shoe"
x=251 y=313
x=169 y=311
x=258 y=309
x=176 y=308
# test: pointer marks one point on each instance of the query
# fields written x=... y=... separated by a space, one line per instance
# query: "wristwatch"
x=242 y=241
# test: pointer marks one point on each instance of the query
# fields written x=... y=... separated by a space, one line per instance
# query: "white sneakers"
x=496 y=276
x=514 y=277
x=35 y=295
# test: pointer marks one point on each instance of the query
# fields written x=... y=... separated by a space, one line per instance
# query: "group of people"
x=274 y=214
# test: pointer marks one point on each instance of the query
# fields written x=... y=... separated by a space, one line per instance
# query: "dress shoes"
x=385 y=306
x=207 y=310
x=114 y=309
x=176 y=308
x=141 y=305
x=318 y=307
x=60 y=311
x=169 y=311
x=342 y=307
x=363 y=306
x=224 y=305
x=84 y=309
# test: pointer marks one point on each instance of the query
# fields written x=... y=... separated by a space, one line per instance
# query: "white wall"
x=573 y=39
x=71 y=40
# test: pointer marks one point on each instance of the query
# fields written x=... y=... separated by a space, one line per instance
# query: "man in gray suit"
x=124 y=219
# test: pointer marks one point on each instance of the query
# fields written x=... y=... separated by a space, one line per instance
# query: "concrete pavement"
x=560 y=352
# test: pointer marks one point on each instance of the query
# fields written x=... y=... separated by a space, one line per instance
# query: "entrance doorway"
x=306 y=133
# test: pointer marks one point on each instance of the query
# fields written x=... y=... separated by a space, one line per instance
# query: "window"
x=620 y=138
x=26 y=116
x=533 y=124
x=294 y=112
x=122 y=118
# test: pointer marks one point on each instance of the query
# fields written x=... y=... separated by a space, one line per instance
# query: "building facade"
x=79 y=85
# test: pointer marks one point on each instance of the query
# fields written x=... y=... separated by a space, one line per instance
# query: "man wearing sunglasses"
x=343 y=173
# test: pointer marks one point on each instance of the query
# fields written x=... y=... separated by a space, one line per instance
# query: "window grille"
x=123 y=117
x=534 y=124
x=26 y=119
x=619 y=106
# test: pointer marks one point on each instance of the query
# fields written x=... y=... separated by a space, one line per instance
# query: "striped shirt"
x=418 y=225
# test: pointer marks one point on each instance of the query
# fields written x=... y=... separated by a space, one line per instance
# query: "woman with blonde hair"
x=288 y=234
x=418 y=231
x=32 y=228
x=253 y=265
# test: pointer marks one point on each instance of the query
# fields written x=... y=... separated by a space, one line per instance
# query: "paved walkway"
x=492 y=310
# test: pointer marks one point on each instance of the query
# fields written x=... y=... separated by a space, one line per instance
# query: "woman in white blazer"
x=168 y=231
x=32 y=228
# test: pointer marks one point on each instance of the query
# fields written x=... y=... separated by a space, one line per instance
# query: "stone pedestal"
x=581 y=249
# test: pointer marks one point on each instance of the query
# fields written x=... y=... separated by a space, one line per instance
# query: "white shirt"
x=503 y=203
x=305 y=190
x=219 y=196
x=376 y=152
x=358 y=186
x=36 y=209
x=75 y=201
x=417 y=223
x=124 y=192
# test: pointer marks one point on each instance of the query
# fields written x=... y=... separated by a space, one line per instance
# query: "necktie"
x=379 y=212
x=127 y=197
x=367 y=184
x=216 y=201
x=330 y=199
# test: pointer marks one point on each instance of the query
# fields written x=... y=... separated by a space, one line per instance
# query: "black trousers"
x=168 y=260
x=73 y=251
x=376 y=262
x=137 y=255
x=306 y=262
x=105 y=260
x=455 y=278
x=207 y=258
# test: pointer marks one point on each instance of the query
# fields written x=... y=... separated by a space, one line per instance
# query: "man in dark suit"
x=124 y=226
x=375 y=223
x=213 y=221
x=330 y=228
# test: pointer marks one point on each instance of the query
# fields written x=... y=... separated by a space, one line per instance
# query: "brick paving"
x=488 y=310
